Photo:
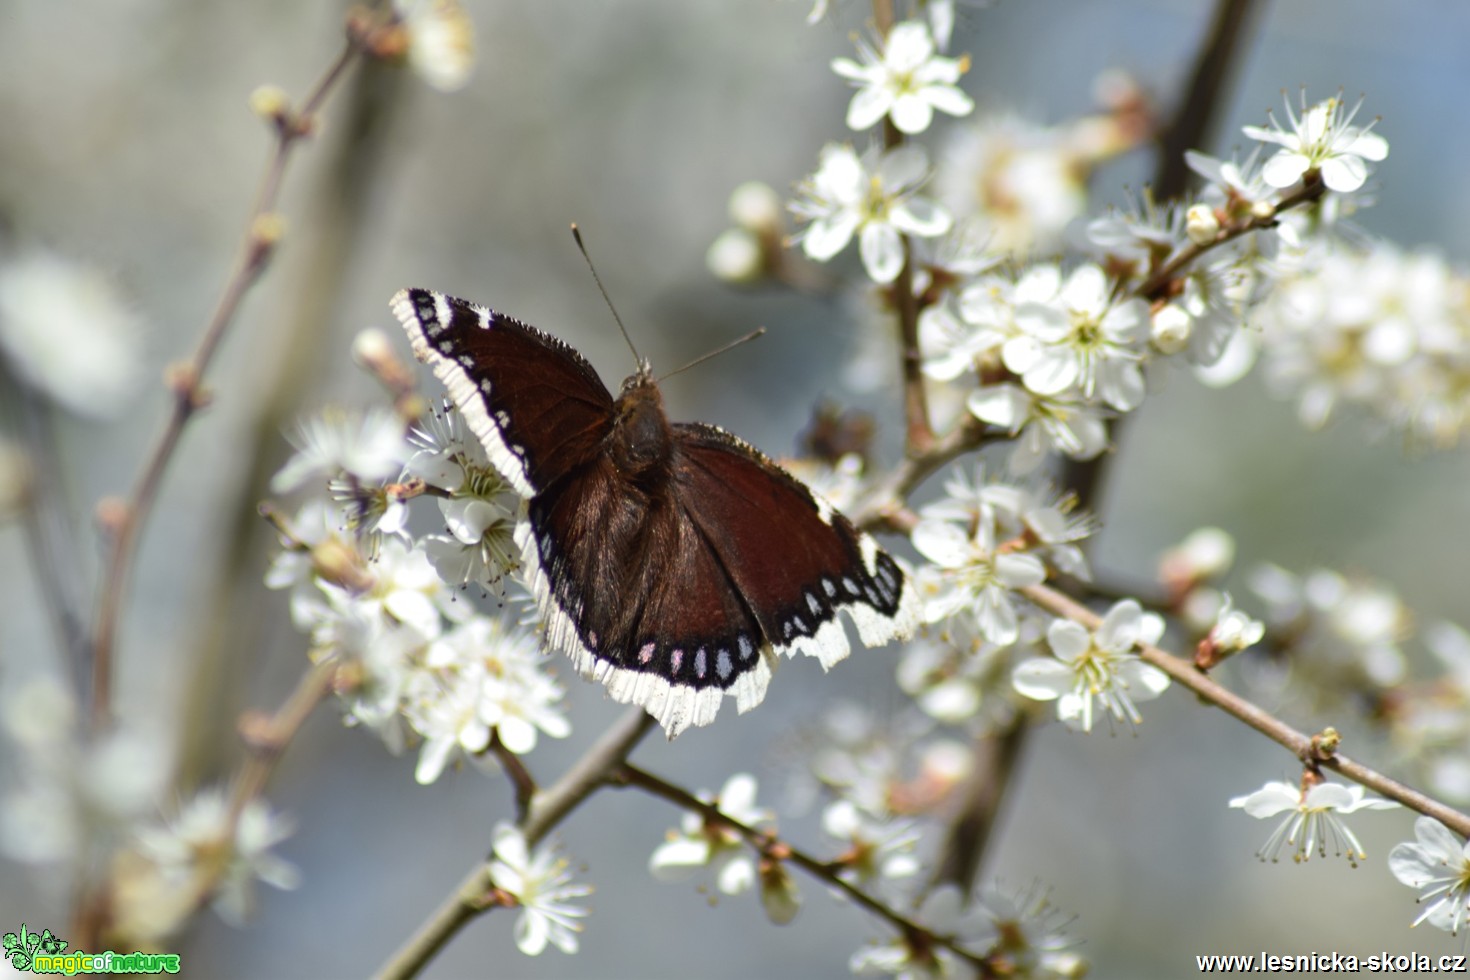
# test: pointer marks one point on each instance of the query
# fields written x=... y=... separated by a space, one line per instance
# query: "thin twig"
x=589 y=774
x=992 y=761
x=472 y=895
x=266 y=737
x=340 y=201
x=880 y=505
x=774 y=848
x=1157 y=286
x=1299 y=743
x=186 y=382
x=520 y=777
x=50 y=530
x=918 y=432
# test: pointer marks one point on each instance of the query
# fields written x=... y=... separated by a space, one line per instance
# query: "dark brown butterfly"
x=672 y=561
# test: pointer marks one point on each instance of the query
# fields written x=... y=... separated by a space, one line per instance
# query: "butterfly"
x=673 y=562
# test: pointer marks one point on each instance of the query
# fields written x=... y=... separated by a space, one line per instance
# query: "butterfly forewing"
x=536 y=404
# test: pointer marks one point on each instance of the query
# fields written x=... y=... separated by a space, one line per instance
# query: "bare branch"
x=1302 y=745
x=261 y=236
x=548 y=808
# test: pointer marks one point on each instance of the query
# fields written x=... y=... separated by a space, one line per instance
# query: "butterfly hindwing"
x=795 y=559
x=638 y=598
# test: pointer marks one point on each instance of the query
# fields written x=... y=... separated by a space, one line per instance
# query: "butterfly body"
x=673 y=562
x=641 y=442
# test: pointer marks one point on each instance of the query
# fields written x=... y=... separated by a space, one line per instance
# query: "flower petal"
x=881 y=248
x=943 y=543
x=868 y=106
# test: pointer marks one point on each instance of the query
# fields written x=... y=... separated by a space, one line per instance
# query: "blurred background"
x=127 y=143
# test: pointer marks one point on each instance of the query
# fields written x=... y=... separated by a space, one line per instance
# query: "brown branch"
x=266 y=737
x=472 y=895
x=882 y=504
x=885 y=500
x=992 y=762
x=521 y=781
x=49 y=529
x=1184 y=672
x=918 y=433
x=261 y=235
x=773 y=848
x=1195 y=116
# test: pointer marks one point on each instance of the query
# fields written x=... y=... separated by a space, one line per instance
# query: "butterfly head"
x=641 y=442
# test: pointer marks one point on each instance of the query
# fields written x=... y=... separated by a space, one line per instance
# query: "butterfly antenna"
x=716 y=353
x=577 y=234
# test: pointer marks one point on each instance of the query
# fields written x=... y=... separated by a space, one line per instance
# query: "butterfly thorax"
x=641 y=441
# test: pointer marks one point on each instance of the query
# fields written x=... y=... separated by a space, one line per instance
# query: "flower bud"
x=755 y=207
x=1201 y=225
x=1170 y=329
x=1207 y=553
x=270 y=103
x=736 y=256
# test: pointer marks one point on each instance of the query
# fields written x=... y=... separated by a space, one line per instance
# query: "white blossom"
x=441 y=41
x=1343 y=635
x=1313 y=818
x=875 y=850
x=736 y=256
x=194 y=844
x=482 y=678
x=972 y=576
x=1234 y=630
x=957 y=337
x=368 y=446
x=1321 y=140
x=907 y=82
x=65 y=329
x=1025 y=182
x=541 y=884
x=1374 y=327
x=1437 y=863
x=67 y=795
x=294 y=566
x=1096 y=666
x=945 y=913
x=1028 y=935
x=1081 y=338
x=873 y=197
x=1042 y=424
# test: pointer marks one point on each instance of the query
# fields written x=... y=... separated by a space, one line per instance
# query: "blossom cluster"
x=1046 y=355
x=416 y=662
x=1372 y=327
x=413 y=660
